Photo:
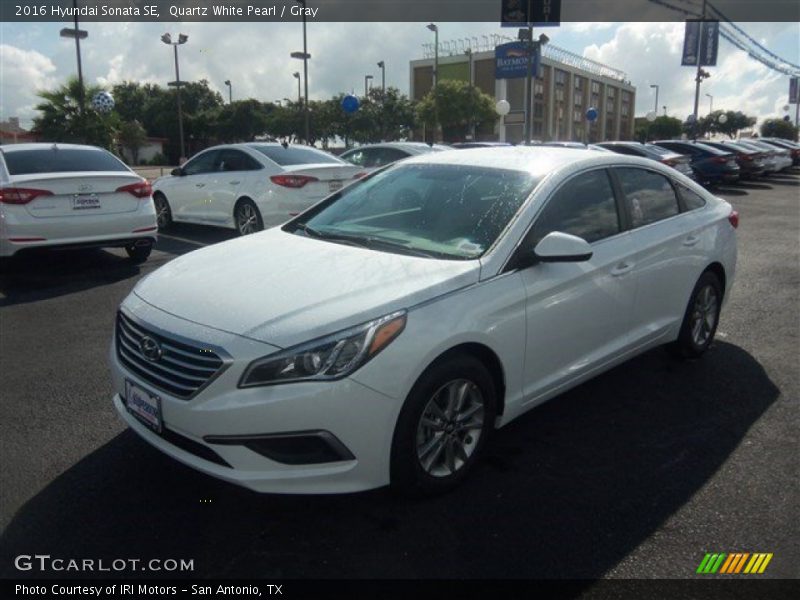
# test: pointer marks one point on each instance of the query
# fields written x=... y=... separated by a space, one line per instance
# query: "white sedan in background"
x=68 y=196
x=381 y=335
x=374 y=156
x=249 y=186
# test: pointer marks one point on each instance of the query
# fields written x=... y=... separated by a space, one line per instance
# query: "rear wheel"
x=139 y=252
x=163 y=212
x=443 y=426
x=700 y=319
x=247 y=217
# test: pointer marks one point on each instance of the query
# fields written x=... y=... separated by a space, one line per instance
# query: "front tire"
x=700 y=319
x=443 y=426
x=139 y=253
x=247 y=217
x=163 y=212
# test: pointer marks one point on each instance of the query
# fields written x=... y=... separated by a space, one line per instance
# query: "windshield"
x=295 y=155
x=61 y=160
x=443 y=211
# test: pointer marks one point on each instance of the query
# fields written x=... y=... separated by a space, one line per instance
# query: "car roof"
x=46 y=145
x=536 y=160
x=416 y=147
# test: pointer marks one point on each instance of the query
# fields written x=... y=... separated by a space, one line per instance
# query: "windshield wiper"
x=368 y=241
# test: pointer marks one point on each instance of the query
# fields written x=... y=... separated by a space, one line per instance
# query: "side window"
x=235 y=160
x=650 y=196
x=625 y=150
x=691 y=200
x=203 y=163
x=356 y=157
x=390 y=155
x=584 y=206
x=371 y=158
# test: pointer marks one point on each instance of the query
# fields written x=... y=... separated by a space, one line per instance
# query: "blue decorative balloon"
x=592 y=114
x=349 y=104
x=103 y=102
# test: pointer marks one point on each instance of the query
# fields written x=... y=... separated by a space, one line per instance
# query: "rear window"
x=711 y=149
x=61 y=160
x=296 y=155
x=660 y=151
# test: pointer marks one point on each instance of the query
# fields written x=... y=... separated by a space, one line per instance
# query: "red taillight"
x=733 y=218
x=360 y=175
x=13 y=195
x=670 y=161
x=720 y=159
x=140 y=189
x=292 y=181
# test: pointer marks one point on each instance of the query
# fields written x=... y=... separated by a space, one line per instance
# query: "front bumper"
x=355 y=416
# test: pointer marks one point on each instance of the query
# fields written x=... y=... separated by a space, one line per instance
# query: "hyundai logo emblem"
x=150 y=348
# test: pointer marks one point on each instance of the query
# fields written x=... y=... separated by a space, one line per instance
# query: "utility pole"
x=700 y=72
x=78 y=34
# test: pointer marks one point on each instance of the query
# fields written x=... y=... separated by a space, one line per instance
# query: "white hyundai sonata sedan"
x=249 y=186
x=72 y=196
x=380 y=336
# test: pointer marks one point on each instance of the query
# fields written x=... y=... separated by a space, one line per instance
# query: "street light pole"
x=366 y=85
x=230 y=91
x=700 y=73
x=710 y=103
x=182 y=39
x=78 y=34
x=296 y=75
x=655 y=107
x=468 y=52
x=435 y=29
x=382 y=65
x=305 y=71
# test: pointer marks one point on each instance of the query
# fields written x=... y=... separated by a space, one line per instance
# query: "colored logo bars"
x=738 y=562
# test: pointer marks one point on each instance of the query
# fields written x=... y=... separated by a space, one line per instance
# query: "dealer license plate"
x=84 y=201
x=335 y=185
x=143 y=405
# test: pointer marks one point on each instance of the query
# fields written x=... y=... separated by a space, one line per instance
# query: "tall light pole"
x=296 y=75
x=182 y=39
x=468 y=53
x=305 y=56
x=367 y=79
x=655 y=106
x=710 y=103
x=382 y=66
x=78 y=34
x=665 y=110
x=230 y=91
x=701 y=74
x=534 y=50
x=435 y=30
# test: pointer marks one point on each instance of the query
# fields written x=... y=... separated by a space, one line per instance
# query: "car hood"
x=284 y=289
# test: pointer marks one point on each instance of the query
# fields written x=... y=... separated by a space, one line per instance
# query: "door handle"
x=690 y=240
x=200 y=184
x=621 y=269
x=234 y=182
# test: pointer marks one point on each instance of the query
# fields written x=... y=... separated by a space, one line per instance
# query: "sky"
x=255 y=57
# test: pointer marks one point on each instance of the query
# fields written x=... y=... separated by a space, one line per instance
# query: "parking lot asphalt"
x=636 y=474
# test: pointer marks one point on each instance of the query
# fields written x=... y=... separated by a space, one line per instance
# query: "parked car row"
x=716 y=162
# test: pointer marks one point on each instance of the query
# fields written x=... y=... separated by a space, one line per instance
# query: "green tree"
x=459 y=106
x=779 y=128
x=132 y=136
x=61 y=118
x=734 y=122
x=239 y=121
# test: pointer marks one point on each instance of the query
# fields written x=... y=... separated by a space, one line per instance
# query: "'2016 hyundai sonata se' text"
x=380 y=336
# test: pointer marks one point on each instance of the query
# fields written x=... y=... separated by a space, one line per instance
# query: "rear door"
x=666 y=234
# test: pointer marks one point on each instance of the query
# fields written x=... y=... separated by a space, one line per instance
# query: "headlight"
x=331 y=357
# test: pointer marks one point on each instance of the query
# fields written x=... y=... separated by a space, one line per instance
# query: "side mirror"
x=562 y=247
x=177 y=172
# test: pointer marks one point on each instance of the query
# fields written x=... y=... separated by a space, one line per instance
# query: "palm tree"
x=62 y=118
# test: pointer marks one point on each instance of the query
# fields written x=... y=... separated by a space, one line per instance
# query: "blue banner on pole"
x=511 y=61
x=794 y=92
x=709 y=43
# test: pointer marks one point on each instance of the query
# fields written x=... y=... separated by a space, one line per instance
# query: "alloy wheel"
x=704 y=315
x=450 y=428
x=246 y=219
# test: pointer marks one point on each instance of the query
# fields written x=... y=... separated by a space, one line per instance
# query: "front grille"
x=181 y=370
